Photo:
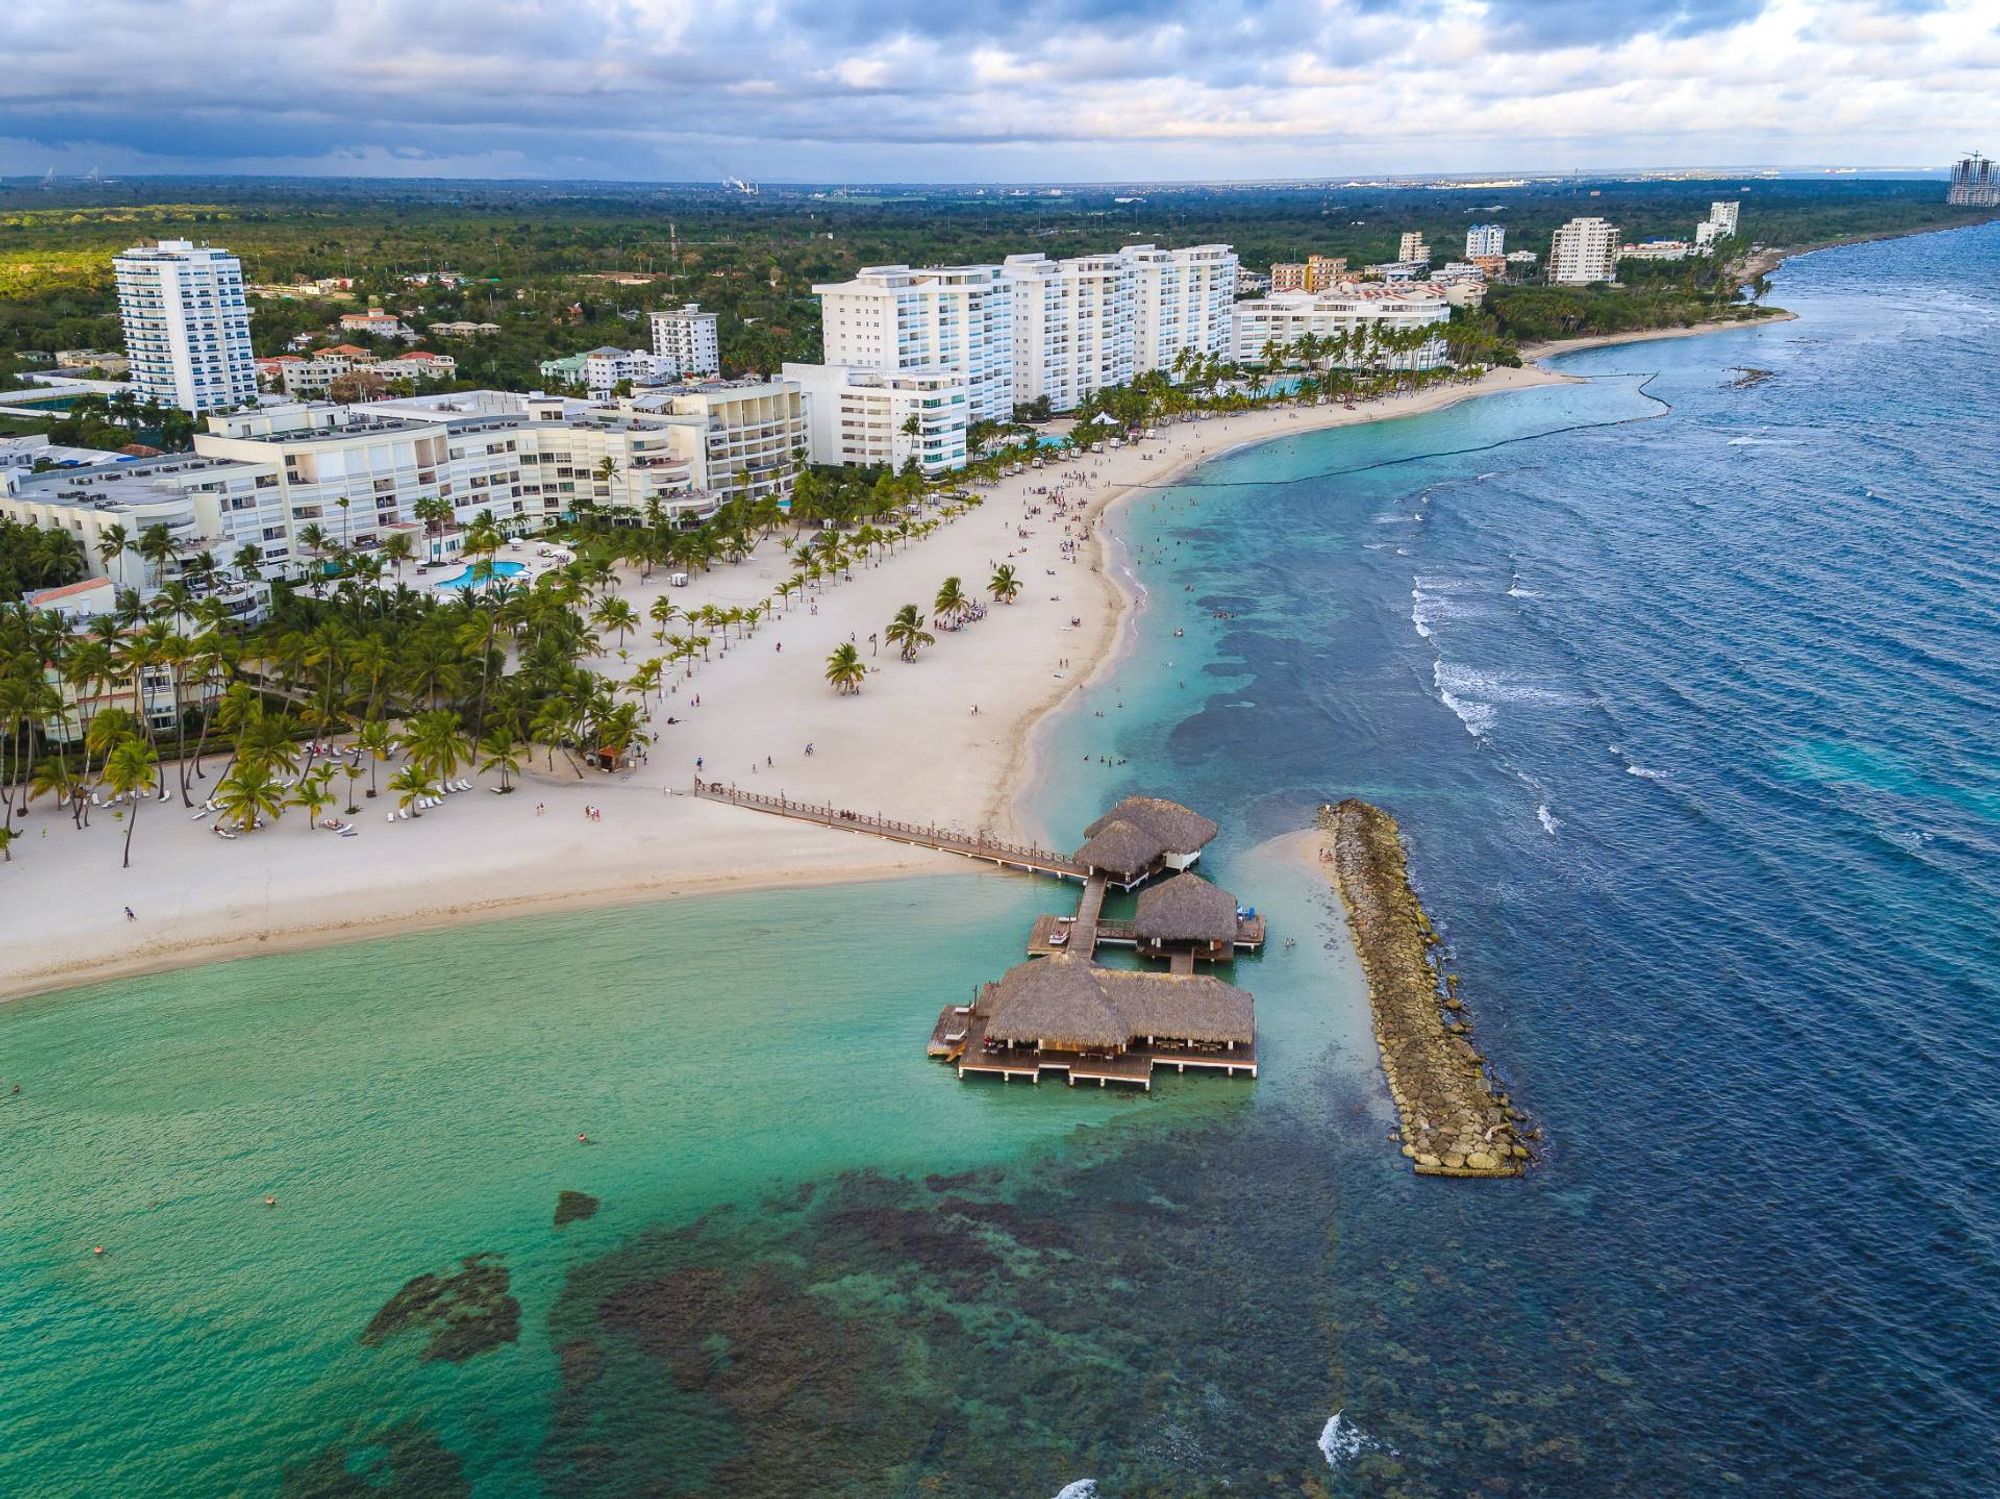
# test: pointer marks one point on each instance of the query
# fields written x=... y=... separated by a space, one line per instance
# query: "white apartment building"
x=688 y=338
x=187 y=325
x=890 y=317
x=1583 y=251
x=378 y=323
x=1412 y=249
x=1181 y=300
x=1723 y=216
x=1073 y=326
x=1359 y=311
x=601 y=370
x=1485 y=239
x=859 y=416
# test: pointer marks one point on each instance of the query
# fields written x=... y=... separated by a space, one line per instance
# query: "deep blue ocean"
x=1683 y=682
x=1685 y=687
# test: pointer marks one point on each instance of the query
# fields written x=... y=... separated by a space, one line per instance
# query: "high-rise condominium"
x=187 y=325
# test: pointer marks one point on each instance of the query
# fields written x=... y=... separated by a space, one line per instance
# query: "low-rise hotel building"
x=1657 y=249
x=259 y=477
x=1314 y=273
x=1359 y=311
x=861 y=416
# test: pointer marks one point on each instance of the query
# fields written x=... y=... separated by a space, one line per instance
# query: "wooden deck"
x=1054 y=934
x=948 y=1035
x=1020 y=856
x=1136 y=1066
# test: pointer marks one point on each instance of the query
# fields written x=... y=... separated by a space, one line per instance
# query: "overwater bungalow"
x=1066 y=1014
x=1188 y=917
x=1142 y=836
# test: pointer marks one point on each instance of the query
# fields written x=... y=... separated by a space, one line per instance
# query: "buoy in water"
x=270 y=1202
x=99 y=1249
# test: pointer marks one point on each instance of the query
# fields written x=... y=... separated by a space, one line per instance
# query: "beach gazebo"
x=1186 y=915
x=1181 y=833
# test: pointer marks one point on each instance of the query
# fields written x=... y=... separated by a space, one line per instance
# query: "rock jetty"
x=1456 y=1121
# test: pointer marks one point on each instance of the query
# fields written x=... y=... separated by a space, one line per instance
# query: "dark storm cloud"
x=649 y=87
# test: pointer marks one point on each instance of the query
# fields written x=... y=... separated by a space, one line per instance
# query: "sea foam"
x=1341 y=1441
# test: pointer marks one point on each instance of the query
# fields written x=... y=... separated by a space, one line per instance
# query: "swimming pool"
x=470 y=579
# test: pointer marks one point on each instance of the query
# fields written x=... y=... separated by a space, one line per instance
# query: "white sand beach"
x=908 y=745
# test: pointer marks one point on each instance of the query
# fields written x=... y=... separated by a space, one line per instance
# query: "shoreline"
x=272 y=893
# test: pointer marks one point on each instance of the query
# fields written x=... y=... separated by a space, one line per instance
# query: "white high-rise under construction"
x=187 y=325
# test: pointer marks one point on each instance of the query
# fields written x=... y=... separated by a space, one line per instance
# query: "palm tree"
x=112 y=543
x=1005 y=586
x=663 y=611
x=396 y=550
x=845 y=668
x=615 y=615
x=313 y=794
x=248 y=795
x=436 y=742
x=500 y=751
x=411 y=785
x=156 y=545
x=907 y=632
x=645 y=678
x=54 y=779
x=129 y=772
x=7 y=837
x=951 y=601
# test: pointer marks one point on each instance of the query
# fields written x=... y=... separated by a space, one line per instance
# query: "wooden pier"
x=1060 y=1012
x=1026 y=857
x=1054 y=934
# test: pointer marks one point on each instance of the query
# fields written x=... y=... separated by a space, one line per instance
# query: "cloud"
x=856 y=89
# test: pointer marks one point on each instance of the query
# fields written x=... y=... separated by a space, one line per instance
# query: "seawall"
x=1456 y=1121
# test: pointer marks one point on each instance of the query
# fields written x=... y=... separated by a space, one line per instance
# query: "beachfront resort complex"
x=914 y=358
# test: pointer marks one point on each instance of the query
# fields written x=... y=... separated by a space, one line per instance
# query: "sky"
x=987 y=90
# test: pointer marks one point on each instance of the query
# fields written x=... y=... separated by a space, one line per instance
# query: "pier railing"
x=1026 y=856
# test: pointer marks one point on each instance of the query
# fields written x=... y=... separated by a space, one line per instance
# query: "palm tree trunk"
x=131 y=823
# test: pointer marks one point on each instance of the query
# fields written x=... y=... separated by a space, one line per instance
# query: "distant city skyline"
x=1098 y=90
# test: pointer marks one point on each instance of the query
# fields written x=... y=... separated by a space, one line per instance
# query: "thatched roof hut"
x=1055 y=1002
x=1067 y=1003
x=1179 y=830
x=1120 y=849
x=1182 y=1007
x=1187 y=908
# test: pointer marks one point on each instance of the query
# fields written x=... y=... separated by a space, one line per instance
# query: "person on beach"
x=130 y=914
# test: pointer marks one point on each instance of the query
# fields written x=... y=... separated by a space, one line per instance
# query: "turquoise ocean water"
x=1682 y=684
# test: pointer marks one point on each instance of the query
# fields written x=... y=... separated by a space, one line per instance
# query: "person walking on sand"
x=130 y=914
